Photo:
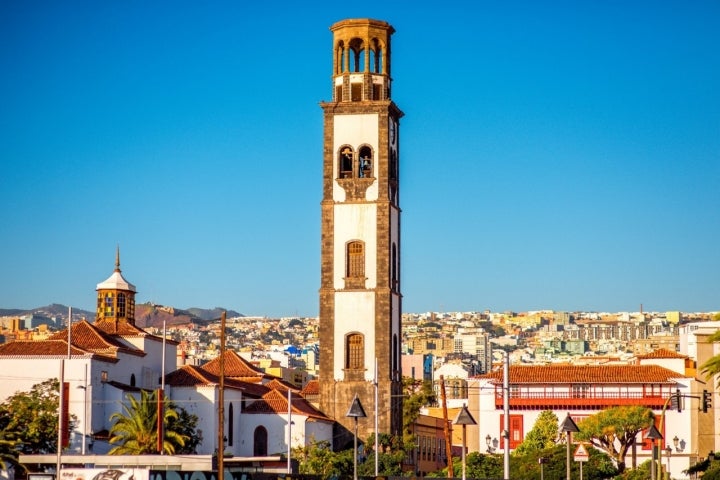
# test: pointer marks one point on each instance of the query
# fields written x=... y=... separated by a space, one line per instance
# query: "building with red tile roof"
x=584 y=390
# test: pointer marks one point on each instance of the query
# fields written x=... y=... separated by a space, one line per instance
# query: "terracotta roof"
x=311 y=388
x=276 y=402
x=661 y=353
x=120 y=327
x=86 y=339
x=235 y=366
x=281 y=386
x=192 y=376
x=89 y=337
x=40 y=348
x=548 y=374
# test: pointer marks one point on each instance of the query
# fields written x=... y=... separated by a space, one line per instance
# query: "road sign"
x=581 y=454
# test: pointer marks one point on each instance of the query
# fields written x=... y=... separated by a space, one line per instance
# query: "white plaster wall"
x=354 y=312
x=200 y=401
x=356 y=221
x=355 y=130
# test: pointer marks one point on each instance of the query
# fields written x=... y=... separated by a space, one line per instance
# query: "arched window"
x=355 y=262
x=395 y=363
x=260 y=440
x=355 y=352
x=345 y=162
x=365 y=162
x=394 y=268
x=231 y=425
x=132 y=379
x=340 y=58
x=121 y=305
x=357 y=61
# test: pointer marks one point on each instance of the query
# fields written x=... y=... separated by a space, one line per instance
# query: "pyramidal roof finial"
x=117 y=258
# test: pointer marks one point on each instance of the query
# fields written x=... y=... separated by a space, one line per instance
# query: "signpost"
x=581 y=455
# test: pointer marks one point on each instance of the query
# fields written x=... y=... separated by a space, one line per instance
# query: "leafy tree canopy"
x=614 y=430
x=542 y=435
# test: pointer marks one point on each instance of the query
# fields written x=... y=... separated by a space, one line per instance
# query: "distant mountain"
x=146 y=314
x=213 y=314
x=151 y=315
x=53 y=310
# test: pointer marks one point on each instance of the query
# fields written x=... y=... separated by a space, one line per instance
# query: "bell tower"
x=360 y=299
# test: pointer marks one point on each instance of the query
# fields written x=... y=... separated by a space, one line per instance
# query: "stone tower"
x=360 y=299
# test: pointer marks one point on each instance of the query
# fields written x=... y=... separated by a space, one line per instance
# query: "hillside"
x=146 y=314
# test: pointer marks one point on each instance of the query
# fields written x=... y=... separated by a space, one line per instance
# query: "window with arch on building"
x=355 y=352
x=260 y=442
x=365 y=162
x=345 y=162
x=231 y=425
x=355 y=264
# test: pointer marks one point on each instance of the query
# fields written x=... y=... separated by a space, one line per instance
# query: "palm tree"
x=712 y=366
x=135 y=431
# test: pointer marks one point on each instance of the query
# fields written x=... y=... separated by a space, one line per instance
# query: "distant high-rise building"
x=360 y=299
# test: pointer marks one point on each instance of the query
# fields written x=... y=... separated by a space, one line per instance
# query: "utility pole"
x=221 y=403
x=448 y=430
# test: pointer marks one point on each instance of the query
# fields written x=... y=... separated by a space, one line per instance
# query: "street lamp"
x=668 y=452
x=569 y=427
x=464 y=418
x=652 y=435
x=356 y=411
x=488 y=442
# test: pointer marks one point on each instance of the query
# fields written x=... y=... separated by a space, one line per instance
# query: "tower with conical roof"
x=116 y=299
x=360 y=299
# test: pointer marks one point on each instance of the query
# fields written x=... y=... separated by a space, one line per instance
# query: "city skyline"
x=558 y=157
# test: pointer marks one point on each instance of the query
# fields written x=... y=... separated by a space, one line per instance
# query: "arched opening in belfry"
x=345 y=162
x=357 y=60
x=340 y=57
x=376 y=57
x=365 y=162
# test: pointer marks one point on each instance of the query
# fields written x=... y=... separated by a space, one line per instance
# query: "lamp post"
x=356 y=411
x=668 y=452
x=652 y=435
x=569 y=427
x=464 y=418
x=488 y=442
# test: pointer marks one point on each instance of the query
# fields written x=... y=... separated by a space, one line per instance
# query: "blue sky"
x=561 y=155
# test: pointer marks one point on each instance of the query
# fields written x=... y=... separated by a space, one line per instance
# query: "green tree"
x=477 y=465
x=599 y=465
x=417 y=395
x=185 y=424
x=135 y=431
x=31 y=418
x=614 y=430
x=712 y=366
x=542 y=435
x=319 y=459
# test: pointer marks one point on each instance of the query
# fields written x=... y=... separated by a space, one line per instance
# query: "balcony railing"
x=587 y=400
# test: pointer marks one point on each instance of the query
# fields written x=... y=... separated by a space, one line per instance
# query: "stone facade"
x=360 y=300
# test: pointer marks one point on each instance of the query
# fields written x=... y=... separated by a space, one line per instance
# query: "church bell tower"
x=360 y=299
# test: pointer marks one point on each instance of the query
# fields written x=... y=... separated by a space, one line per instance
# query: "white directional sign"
x=581 y=454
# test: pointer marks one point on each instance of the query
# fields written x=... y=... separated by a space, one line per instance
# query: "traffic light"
x=675 y=402
x=706 y=401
